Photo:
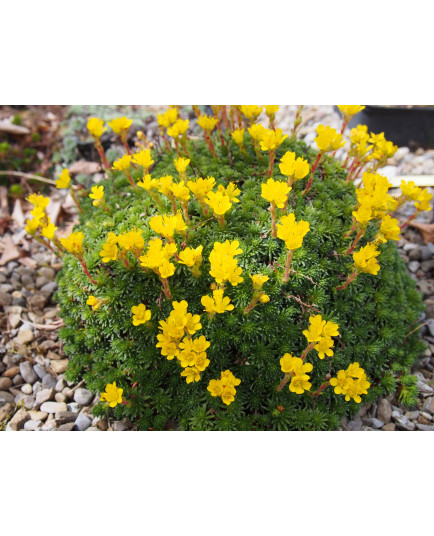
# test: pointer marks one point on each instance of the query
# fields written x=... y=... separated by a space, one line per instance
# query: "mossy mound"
x=374 y=314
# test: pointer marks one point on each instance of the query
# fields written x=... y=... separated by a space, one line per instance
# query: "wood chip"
x=83 y=167
x=17 y=214
x=426 y=230
x=10 y=252
x=7 y=126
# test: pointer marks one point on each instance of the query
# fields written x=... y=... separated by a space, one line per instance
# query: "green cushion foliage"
x=374 y=314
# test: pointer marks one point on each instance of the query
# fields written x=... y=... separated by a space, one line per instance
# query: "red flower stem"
x=411 y=218
x=307 y=350
x=166 y=288
x=251 y=305
x=288 y=265
x=314 y=168
x=349 y=280
x=86 y=271
x=101 y=153
x=273 y=220
x=354 y=164
x=123 y=137
x=210 y=143
x=76 y=201
x=285 y=380
x=359 y=235
x=271 y=167
x=130 y=178
x=224 y=114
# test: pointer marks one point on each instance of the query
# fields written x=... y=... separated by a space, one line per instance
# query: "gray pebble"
x=83 y=397
x=6 y=396
x=67 y=427
x=413 y=266
x=53 y=407
x=40 y=370
x=49 y=287
x=27 y=372
x=32 y=425
x=48 y=382
x=27 y=389
x=373 y=422
x=44 y=396
x=82 y=422
x=384 y=411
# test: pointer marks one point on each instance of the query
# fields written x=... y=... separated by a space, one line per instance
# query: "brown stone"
x=11 y=372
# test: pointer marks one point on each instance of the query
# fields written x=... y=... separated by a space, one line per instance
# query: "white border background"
x=222 y=483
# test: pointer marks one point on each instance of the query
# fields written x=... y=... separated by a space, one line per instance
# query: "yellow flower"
x=130 y=240
x=191 y=374
x=64 y=179
x=363 y=214
x=231 y=191
x=238 y=136
x=157 y=258
x=350 y=110
x=141 y=315
x=219 y=202
x=272 y=139
x=315 y=331
x=94 y=302
x=410 y=190
x=181 y=164
x=264 y=298
x=223 y=265
x=218 y=303
x=48 y=230
x=95 y=127
x=166 y=185
x=180 y=191
x=271 y=109
x=275 y=192
x=179 y=128
x=389 y=229
x=121 y=124
x=73 y=243
x=38 y=201
x=33 y=225
x=112 y=395
x=299 y=384
x=123 y=163
x=228 y=395
x=215 y=387
x=351 y=383
x=168 y=118
x=324 y=347
x=143 y=158
x=292 y=232
x=166 y=225
x=290 y=363
x=365 y=261
x=191 y=257
x=423 y=202
x=258 y=281
x=201 y=187
x=148 y=183
x=251 y=112
x=290 y=166
x=328 y=139
x=256 y=131
x=97 y=194
x=207 y=123
x=359 y=135
x=109 y=251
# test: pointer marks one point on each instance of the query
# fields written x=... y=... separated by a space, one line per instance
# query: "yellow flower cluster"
x=251 y=112
x=96 y=127
x=94 y=302
x=120 y=125
x=319 y=335
x=74 y=243
x=168 y=118
x=64 y=180
x=365 y=259
x=411 y=192
x=158 y=258
x=351 y=383
x=292 y=232
x=178 y=129
x=297 y=370
x=207 y=123
x=97 y=194
x=123 y=163
x=271 y=140
x=40 y=219
x=258 y=281
x=350 y=110
x=224 y=266
x=167 y=224
x=176 y=341
x=275 y=192
x=144 y=159
x=224 y=387
x=294 y=168
x=192 y=258
x=328 y=139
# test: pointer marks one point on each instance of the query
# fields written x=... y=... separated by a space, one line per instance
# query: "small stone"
x=53 y=407
x=412 y=415
x=123 y=426
x=413 y=266
x=18 y=420
x=29 y=401
x=429 y=405
x=59 y=366
x=389 y=427
x=6 y=411
x=402 y=423
x=37 y=386
x=83 y=397
x=5 y=383
x=14 y=319
x=424 y=427
x=102 y=425
x=60 y=397
x=74 y=407
x=67 y=427
x=49 y=426
x=60 y=385
x=48 y=382
x=37 y=415
x=49 y=287
x=415 y=253
x=44 y=396
x=5 y=298
x=32 y=425
x=425 y=253
x=18 y=380
x=6 y=396
x=384 y=411
x=65 y=416
x=37 y=301
x=27 y=372
x=48 y=273
x=24 y=336
x=82 y=422
x=11 y=372
x=27 y=389
x=68 y=392
x=53 y=355
x=373 y=422
x=40 y=370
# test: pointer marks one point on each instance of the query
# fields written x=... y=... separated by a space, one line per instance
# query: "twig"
x=29 y=176
x=312 y=307
x=305 y=276
x=47 y=327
